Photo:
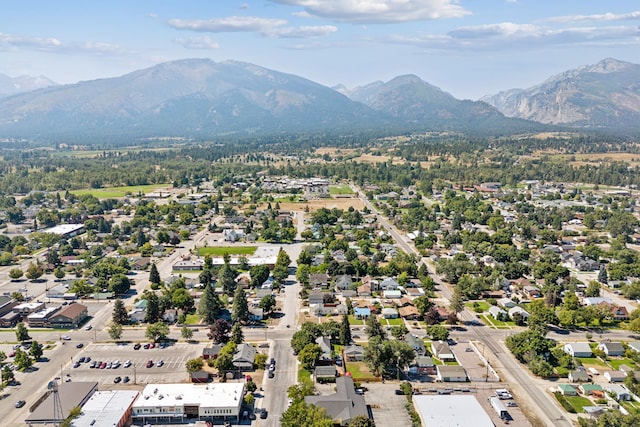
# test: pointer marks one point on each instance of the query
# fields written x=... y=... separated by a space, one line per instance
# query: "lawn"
x=118 y=192
x=192 y=319
x=392 y=322
x=358 y=370
x=592 y=361
x=303 y=373
x=499 y=324
x=231 y=250
x=616 y=363
x=578 y=402
x=478 y=306
x=340 y=189
x=355 y=322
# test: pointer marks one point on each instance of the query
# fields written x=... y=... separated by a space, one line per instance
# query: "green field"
x=340 y=189
x=231 y=250
x=117 y=192
x=578 y=402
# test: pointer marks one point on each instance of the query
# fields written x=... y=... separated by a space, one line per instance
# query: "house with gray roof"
x=611 y=348
x=578 y=349
x=244 y=357
x=343 y=405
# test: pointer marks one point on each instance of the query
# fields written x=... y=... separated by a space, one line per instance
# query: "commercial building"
x=450 y=410
x=177 y=403
x=70 y=395
x=107 y=409
x=66 y=230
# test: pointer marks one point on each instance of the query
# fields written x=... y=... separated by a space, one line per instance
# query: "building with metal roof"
x=451 y=410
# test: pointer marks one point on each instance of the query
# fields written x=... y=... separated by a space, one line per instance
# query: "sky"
x=468 y=48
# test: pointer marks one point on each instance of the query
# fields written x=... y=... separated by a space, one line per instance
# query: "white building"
x=451 y=410
x=106 y=409
x=170 y=403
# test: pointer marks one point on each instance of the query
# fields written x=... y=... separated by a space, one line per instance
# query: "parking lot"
x=172 y=370
x=472 y=362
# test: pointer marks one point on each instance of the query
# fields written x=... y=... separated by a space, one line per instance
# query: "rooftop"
x=451 y=410
x=105 y=408
x=218 y=394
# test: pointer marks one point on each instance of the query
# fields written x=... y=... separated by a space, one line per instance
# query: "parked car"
x=103 y=365
x=149 y=363
x=271 y=374
x=20 y=403
x=93 y=364
x=263 y=414
x=79 y=345
x=160 y=363
x=127 y=363
x=76 y=365
x=137 y=346
x=117 y=380
x=87 y=359
x=88 y=328
x=81 y=360
x=126 y=380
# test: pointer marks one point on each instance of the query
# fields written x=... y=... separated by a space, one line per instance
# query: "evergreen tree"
x=374 y=328
x=603 y=277
x=154 y=276
x=345 y=331
x=210 y=305
x=153 y=308
x=22 y=334
x=227 y=278
x=119 y=315
x=240 y=308
x=115 y=331
x=236 y=333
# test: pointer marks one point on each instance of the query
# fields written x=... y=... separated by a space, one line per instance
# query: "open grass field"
x=340 y=189
x=231 y=250
x=578 y=402
x=119 y=192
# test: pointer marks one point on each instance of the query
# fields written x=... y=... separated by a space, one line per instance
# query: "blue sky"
x=466 y=47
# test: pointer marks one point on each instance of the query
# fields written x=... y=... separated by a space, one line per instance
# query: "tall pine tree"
x=210 y=305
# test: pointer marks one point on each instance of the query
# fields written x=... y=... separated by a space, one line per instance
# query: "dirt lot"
x=341 y=203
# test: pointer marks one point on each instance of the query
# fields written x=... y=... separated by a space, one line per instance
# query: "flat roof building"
x=451 y=410
x=66 y=230
x=107 y=409
x=71 y=395
x=171 y=403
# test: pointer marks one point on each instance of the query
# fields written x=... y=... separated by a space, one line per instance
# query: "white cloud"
x=509 y=35
x=53 y=45
x=380 y=11
x=228 y=25
x=203 y=43
x=598 y=18
x=274 y=28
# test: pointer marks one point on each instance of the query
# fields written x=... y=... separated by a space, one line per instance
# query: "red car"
x=149 y=363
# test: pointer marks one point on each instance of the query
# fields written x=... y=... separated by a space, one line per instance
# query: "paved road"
x=513 y=373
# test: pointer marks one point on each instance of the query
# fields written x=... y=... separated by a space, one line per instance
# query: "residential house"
x=611 y=348
x=325 y=346
x=244 y=357
x=69 y=317
x=578 y=349
x=344 y=282
x=517 y=310
x=342 y=406
x=140 y=263
x=317 y=296
x=615 y=376
x=409 y=312
x=349 y=293
x=619 y=313
x=594 y=390
x=451 y=373
x=416 y=343
x=506 y=303
x=422 y=365
x=532 y=292
x=170 y=315
x=325 y=373
x=567 y=390
x=361 y=312
x=364 y=290
x=588 y=301
x=392 y=294
x=442 y=351
x=354 y=353
x=389 y=284
x=212 y=352
x=578 y=375
x=342 y=309
x=498 y=313
x=390 y=313
x=619 y=391
x=635 y=346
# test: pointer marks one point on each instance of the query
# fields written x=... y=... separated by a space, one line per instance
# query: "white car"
x=127 y=363
x=88 y=328
x=66 y=337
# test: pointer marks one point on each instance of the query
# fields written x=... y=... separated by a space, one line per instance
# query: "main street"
x=529 y=388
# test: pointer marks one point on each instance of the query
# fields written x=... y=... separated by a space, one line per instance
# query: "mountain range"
x=602 y=96
x=12 y=85
x=200 y=98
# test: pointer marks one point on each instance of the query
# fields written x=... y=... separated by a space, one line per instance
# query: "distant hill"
x=601 y=96
x=190 y=97
x=12 y=85
x=418 y=103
